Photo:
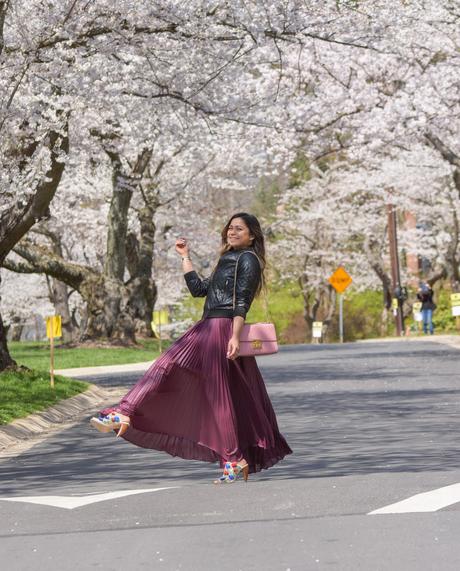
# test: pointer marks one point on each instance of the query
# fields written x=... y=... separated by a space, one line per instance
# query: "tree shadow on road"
x=335 y=434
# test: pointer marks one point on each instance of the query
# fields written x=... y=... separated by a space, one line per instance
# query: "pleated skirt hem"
x=258 y=458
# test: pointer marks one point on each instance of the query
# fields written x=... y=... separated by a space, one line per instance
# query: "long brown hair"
x=257 y=245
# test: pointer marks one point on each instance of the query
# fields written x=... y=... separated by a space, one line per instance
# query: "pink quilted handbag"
x=258 y=339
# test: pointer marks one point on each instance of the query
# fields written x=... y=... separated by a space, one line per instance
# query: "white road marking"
x=72 y=502
x=425 y=502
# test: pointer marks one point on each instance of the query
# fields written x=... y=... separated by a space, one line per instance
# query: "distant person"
x=200 y=400
x=425 y=295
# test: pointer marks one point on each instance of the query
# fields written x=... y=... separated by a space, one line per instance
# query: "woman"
x=425 y=295
x=200 y=400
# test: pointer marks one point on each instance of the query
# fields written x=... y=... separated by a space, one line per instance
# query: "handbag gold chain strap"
x=264 y=291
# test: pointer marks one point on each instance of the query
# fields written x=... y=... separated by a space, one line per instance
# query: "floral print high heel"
x=111 y=421
x=231 y=472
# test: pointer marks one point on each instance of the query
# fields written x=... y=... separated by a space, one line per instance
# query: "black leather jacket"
x=426 y=297
x=218 y=288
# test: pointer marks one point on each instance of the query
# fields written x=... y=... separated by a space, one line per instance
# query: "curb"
x=443 y=339
x=67 y=410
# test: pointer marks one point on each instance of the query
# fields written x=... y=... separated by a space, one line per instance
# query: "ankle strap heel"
x=231 y=473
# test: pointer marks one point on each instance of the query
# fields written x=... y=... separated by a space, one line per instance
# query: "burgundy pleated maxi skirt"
x=195 y=403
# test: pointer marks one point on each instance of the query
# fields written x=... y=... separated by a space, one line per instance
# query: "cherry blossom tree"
x=158 y=93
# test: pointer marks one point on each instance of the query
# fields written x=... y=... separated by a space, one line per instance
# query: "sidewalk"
x=82 y=372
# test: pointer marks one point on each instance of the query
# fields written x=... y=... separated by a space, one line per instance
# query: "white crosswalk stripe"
x=425 y=502
x=72 y=502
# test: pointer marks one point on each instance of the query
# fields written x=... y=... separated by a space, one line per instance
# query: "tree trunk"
x=15 y=329
x=303 y=283
x=121 y=301
x=377 y=265
x=108 y=310
x=329 y=302
x=319 y=305
x=6 y=362
x=452 y=251
x=143 y=290
x=15 y=223
x=115 y=261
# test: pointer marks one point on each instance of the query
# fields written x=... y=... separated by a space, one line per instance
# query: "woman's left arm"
x=247 y=281
x=234 y=343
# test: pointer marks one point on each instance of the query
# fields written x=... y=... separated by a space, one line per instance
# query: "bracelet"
x=186 y=258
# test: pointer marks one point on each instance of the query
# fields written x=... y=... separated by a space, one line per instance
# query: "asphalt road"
x=371 y=425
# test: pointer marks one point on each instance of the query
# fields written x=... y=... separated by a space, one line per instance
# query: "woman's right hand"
x=182 y=247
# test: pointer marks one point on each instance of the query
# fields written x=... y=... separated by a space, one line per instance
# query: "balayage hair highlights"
x=258 y=244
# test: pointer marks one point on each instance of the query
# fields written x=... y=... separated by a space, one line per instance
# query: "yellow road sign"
x=161 y=317
x=53 y=326
x=455 y=299
x=340 y=280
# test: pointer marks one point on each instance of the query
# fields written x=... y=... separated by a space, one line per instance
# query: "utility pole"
x=395 y=275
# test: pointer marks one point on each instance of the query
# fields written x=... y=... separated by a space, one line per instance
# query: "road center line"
x=425 y=502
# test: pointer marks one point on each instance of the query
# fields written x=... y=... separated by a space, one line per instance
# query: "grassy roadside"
x=25 y=392
x=36 y=355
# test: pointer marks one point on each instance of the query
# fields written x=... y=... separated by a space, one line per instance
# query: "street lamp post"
x=395 y=274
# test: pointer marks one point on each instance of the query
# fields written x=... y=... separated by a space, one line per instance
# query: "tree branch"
x=44 y=261
x=446 y=153
x=19 y=267
x=69 y=13
x=81 y=40
x=13 y=224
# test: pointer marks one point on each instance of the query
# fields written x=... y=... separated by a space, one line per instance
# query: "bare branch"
x=446 y=153
x=69 y=13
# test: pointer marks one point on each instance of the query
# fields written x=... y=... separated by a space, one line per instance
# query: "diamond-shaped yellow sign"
x=340 y=280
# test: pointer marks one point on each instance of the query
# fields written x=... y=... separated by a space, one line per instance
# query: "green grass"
x=36 y=355
x=25 y=392
x=362 y=313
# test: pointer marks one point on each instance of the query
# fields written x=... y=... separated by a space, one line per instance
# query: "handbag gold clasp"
x=256 y=344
